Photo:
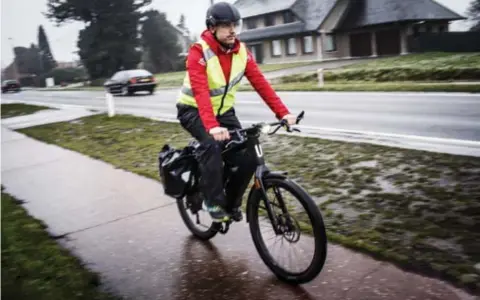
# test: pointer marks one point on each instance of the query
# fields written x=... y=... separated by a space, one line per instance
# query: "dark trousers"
x=211 y=163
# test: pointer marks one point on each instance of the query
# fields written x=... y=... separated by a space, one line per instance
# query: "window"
x=269 y=20
x=330 y=44
x=276 y=48
x=138 y=73
x=251 y=23
x=253 y=49
x=119 y=75
x=307 y=44
x=291 y=44
x=288 y=17
x=416 y=31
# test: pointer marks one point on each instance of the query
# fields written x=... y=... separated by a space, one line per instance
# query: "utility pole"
x=14 y=64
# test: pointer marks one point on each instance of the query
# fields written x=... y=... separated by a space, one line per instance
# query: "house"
x=184 y=41
x=278 y=31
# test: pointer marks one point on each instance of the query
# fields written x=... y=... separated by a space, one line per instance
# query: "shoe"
x=218 y=214
x=237 y=214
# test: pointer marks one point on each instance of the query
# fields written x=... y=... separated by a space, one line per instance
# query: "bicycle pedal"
x=223 y=227
x=237 y=216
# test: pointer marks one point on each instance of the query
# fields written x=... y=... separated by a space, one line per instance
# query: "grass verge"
x=170 y=79
x=362 y=86
x=18 y=109
x=413 y=68
x=34 y=266
x=276 y=67
x=422 y=60
x=175 y=79
x=416 y=209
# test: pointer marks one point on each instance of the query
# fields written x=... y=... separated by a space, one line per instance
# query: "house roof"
x=372 y=12
x=272 y=31
x=360 y=13
x=313 y=12
x=250 y=8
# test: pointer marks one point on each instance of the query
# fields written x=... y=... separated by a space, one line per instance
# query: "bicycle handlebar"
x=279 y=124
x=259 y=126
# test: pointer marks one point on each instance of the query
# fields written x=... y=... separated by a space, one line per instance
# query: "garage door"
x=388 y=42
x=360 y=44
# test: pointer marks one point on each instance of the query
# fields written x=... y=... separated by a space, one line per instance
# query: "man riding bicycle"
x=215 y=67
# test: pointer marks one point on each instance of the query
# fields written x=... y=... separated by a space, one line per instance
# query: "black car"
x=127 y=82
x=10 y=85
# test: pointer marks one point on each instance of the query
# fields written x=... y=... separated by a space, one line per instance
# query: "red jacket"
x=198 y=79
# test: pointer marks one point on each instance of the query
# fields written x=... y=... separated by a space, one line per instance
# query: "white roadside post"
x=110 y=104
x=320 y=77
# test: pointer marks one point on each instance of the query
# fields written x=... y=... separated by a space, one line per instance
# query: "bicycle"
x=180 y=176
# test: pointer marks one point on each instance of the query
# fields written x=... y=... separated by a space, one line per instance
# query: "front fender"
x=263 y=175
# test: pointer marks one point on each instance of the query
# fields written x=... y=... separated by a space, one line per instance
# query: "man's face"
x=225 y=33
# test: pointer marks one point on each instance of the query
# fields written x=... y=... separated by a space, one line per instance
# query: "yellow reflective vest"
x=222 y=94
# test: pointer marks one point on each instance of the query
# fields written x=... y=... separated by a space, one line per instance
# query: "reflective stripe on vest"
x=216 y=80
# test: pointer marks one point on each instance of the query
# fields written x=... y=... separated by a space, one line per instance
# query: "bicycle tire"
x=202 y=235
x=318 y=225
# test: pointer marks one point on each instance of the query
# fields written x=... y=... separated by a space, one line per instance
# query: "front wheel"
x=295 y=228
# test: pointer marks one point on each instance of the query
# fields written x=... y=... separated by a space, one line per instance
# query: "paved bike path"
x=125 y=228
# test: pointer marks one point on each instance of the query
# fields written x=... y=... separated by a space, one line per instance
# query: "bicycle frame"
x=253 y=145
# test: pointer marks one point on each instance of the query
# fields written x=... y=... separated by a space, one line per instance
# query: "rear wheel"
x=197 y=220
x=293 y=226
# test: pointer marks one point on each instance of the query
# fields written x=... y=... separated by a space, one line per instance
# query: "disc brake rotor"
x=290 y=228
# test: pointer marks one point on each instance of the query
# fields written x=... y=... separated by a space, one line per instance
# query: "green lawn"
x=416 y=209
x=176 y=78
x=170 y=79
x=373 y=86
x=427 y=67
x=35 y=267
x=424 y=60
x=18 y=109
x=276 y=67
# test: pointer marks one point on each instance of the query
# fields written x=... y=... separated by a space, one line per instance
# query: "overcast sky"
x=21 y=24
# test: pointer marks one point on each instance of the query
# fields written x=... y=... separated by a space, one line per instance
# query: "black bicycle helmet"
x=222 y=12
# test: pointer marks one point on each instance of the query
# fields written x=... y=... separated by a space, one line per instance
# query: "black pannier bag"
x=176 y=168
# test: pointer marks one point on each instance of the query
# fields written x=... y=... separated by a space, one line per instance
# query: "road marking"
x=360 y=133
x=382 y=94
x=395 y=135
x=250 y=102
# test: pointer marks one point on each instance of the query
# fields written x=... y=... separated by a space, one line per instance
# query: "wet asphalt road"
x=445 y=116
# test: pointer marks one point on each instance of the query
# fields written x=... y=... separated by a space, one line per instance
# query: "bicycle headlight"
x=266 y=128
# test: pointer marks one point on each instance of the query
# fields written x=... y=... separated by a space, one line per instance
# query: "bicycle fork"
x=260 y=173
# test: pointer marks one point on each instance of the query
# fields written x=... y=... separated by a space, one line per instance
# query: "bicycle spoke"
x=279 y=246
